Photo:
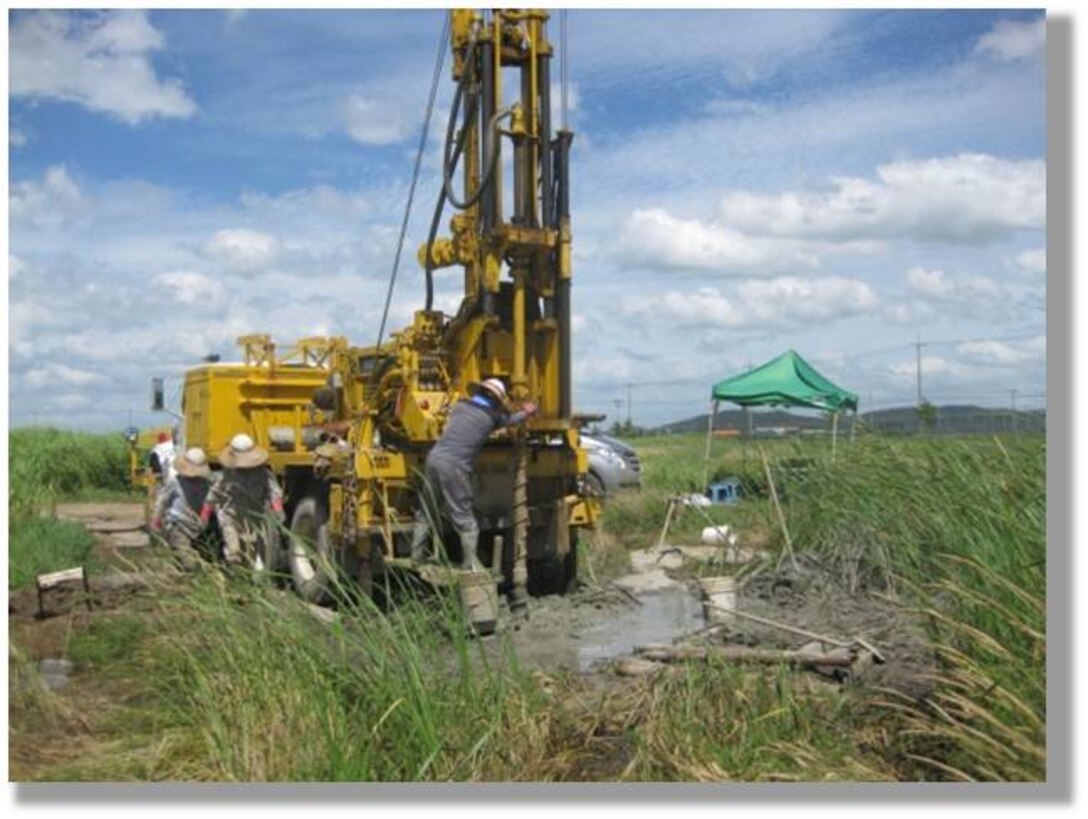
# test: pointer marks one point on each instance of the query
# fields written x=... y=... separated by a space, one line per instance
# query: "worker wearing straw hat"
x=177 y=510
x=242 y=501
x=449 y=465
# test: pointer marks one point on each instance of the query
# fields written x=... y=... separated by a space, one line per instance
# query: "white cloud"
x=242 y=250
x=939 y=286
x=655 y=239
x=1033 y=261
x=52 y=375
x=931 y=366
x=610 y=367
x=51 y=203
x=908 y=313
x=191 y=288
x=373 y=122
x=967 y=198
x=932 y=283
x=69 y=401
x=1003 y=353
x=16 y=138
x=16 y=267
x=791 y=297
x=757 y=303
x=101 y=61
x=741 y=46
x=1009 y=40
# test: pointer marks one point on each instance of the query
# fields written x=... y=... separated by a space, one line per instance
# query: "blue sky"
x=841 y=183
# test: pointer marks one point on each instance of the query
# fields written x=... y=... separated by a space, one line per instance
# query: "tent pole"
x=709 y=436
x=834 y=433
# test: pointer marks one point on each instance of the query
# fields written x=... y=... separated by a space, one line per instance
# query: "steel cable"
x=443 y=40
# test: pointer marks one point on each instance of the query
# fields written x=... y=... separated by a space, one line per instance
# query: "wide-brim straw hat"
x=242 y=453
x=191 y=469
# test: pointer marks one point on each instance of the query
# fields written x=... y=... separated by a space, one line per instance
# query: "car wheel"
x=594 y=485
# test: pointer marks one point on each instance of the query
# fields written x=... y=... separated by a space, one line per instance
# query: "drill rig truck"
x=348 y=427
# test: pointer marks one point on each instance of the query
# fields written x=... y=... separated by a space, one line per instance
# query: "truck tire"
x=273 y=555
x=311 y=556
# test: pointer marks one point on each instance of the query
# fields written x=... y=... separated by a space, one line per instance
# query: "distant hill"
x=951 y=418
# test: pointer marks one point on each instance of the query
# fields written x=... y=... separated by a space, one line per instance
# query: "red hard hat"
x=164 y=437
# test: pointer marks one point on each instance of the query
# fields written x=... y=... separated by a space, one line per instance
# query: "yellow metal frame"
x=391 y=403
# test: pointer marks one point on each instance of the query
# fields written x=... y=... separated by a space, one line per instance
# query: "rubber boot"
x=469 y=542
x=421 y=533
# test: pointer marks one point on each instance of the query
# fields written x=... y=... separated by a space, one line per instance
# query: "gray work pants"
x=451 y=483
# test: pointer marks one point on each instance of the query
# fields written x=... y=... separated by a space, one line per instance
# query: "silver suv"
x=612 y=465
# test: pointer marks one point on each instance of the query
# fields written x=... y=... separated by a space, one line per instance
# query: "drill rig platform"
x=348 y=427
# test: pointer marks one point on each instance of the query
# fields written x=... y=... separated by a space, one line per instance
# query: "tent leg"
x=834 y=433
x=709 y=436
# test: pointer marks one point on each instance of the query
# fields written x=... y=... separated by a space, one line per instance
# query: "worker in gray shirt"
x=449 y=465
x=177 y=510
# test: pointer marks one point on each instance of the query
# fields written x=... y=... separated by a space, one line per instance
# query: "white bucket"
x=717 y=536
x=480 y=599
x=719 y=598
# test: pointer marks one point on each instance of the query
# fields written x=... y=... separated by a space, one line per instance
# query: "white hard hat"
x=495 y=387
x=196 y=456
x=241 y=443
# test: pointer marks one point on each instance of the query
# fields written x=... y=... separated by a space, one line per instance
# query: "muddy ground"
x=586 y=633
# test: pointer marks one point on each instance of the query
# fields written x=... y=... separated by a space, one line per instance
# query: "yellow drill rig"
x=348 y=427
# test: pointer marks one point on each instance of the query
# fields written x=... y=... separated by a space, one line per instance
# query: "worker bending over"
x=242 y=500
x=450 y=463
x=177 y=510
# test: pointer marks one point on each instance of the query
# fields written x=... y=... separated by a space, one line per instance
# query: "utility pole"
x=918 y=345
x=629 y=385
x=618 y=404
x=1012 y=418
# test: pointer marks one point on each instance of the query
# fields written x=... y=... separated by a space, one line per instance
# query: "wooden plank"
x=48 y=581
x=743 y=654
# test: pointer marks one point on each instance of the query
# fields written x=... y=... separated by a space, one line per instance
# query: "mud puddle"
x=584 y=631
x=660 y=617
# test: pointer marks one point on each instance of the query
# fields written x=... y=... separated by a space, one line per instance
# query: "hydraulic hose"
x=451 y=155
x=436 y=220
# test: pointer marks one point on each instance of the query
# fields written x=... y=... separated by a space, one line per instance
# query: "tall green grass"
x=250 y=686
x=40 y=545
x=48 y=464
x=241 y=682
x=958 y=527
x=715 y=723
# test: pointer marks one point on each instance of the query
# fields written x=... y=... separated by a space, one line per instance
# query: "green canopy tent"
x=787 y=380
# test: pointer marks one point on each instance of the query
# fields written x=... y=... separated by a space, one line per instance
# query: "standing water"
x=663 y=615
